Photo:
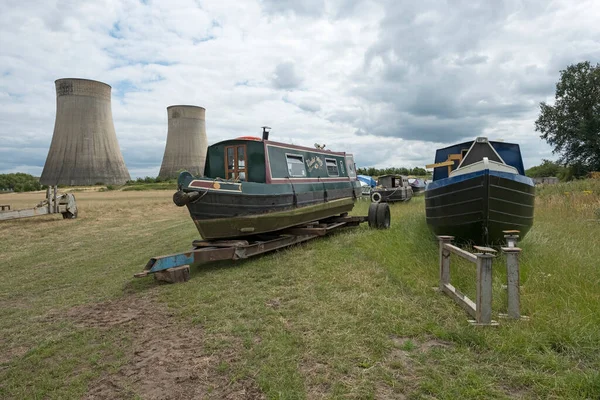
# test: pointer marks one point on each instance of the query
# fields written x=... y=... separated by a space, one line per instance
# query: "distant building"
x=548 y=180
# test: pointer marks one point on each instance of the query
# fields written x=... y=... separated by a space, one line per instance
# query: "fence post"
x=511 y=238
x=512 y=278
x=444 y=260
x=513 y=287
x=49 y=199
x=484 y=289
x=56 y=199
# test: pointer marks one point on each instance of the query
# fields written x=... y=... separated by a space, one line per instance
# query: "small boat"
x=392 y=188
x=254 y=185
x=479 y=190
x=418 y=185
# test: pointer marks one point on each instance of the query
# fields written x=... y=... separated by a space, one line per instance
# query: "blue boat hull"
x=477 y=207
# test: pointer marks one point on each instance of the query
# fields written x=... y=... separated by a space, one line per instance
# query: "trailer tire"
x=372 y=216
x=383 y=216
x=69 y=215
x=375 y=197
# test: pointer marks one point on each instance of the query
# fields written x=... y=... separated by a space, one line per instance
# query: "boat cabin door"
x=236 y=166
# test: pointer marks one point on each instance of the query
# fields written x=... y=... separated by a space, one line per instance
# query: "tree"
x=19 y=182
x=545 y=169
x=572 y=124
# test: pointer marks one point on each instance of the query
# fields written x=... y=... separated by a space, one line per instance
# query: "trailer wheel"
x=69 y=215
x=383 y=216
x=372 y=216
x=376 y=197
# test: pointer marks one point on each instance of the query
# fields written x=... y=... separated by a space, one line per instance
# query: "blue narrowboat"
x=479 y=190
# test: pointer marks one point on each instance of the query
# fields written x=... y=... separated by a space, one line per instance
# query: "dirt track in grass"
x=168 y=360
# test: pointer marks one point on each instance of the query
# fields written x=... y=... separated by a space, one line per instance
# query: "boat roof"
x=280 y=144
x=509 y=152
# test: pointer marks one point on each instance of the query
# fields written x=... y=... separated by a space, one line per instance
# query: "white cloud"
x=387 y=80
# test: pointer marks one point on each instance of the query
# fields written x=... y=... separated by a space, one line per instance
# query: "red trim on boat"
x=310 y=180
x=203 y=184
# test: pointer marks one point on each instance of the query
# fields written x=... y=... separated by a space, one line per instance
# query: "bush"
x=149 y=180
x=19 y=182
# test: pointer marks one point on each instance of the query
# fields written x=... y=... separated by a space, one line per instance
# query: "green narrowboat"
x=254 y=185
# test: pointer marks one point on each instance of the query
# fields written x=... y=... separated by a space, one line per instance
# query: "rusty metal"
x=205 y=251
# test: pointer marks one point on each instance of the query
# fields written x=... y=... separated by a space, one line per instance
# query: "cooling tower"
x=84 y=148
x=186 y=141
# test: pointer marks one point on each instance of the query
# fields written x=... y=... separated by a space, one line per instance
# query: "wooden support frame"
x=53 y=203
x=481 y=308
x=511 y=252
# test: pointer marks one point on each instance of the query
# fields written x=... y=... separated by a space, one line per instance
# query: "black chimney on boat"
x=265 y=132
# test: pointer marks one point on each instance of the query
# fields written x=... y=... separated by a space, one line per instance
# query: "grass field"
x=351 y=316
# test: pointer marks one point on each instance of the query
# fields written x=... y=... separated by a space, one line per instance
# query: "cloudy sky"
x=389 y=81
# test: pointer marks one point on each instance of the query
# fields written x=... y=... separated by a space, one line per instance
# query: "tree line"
x=19 y=182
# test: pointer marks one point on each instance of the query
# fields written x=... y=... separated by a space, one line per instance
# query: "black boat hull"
x=226 y=209
x=477 y=207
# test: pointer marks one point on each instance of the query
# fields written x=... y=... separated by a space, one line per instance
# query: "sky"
x=386 y=80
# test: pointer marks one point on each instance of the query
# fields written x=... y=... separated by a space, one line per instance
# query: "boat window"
x=332 y=168
x=235 y=165
x=295 y=164
x=230 y=158
x=241 y=156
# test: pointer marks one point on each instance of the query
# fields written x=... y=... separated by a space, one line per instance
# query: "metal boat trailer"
x=54 y=203
x=176 y=267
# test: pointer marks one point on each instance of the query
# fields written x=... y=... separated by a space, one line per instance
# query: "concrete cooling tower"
x=186 y=141
x=84 y=148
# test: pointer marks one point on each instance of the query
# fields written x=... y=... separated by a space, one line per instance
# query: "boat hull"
x=226 y=210
x=240 y=226
x=418 y=190
x=477 y=207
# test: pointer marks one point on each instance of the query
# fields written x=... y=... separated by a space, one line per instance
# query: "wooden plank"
x=306 y=231
x=512 y=281
x=444 y=260
x=462 y=300
x=484 y=249
x=460 y=252
x=484 y=290
x=31 y=212
x=174 y=275
x=442 y=164
x=353 y=219
x=220 y=243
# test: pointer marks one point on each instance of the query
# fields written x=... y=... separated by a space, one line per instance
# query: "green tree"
x=418 y=171
x=572 y=124
x=545 y=169
x=19 y=182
